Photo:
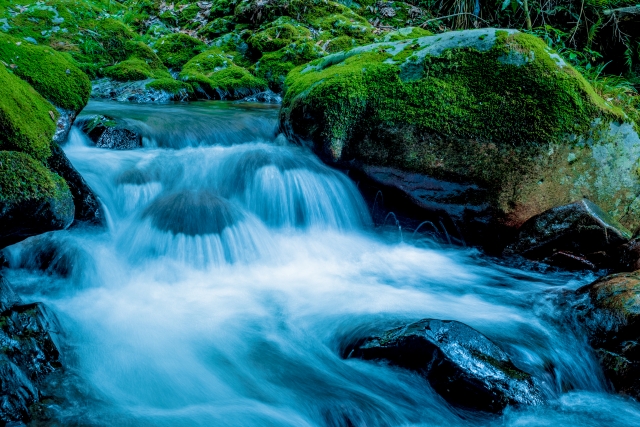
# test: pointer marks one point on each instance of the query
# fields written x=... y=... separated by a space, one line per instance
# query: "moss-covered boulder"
x=177 y=49
x=134 y=69
x=495 y=110
x=214 y=74
x=33 y=200
x=49 y=72
x=27 y=120
x=610 y=310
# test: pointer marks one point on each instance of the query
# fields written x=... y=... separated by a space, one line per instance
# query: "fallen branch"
x=623 y=11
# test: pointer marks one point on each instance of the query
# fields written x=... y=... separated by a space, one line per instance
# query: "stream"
x=236 y=266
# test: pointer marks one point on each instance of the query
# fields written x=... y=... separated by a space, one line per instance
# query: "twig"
x=451 y=16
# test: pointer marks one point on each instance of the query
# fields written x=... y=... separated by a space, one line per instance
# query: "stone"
x=460 y=363
x=106 y=132
x=579 y=235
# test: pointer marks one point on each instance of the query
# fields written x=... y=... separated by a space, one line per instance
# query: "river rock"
x=610 y=310
x=87 y=205
x=577 y=235
x=29 y=352
x=494 y=110
x=33 y=200
x=106 y=132
x=460 y=363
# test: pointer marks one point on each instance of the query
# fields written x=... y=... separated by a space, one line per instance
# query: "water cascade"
x=235 y=266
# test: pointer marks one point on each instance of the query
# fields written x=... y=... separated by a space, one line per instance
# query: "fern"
x=628 y=55
x=593 y=31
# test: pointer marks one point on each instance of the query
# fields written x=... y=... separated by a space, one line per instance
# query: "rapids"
x=235 y=267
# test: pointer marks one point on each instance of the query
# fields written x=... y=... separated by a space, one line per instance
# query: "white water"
x=237 y=316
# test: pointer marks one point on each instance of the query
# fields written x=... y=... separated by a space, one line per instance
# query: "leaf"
x=505 y=4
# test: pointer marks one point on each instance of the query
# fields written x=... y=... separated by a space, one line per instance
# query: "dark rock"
x=192 y=213
x=132 y=91
x=65 y=121
x=460 y=363
x=87 y=205
x=610 y=311
x=29 y=352
x=454 y=212
x=266 y=97
x=105 y=132
x=629 y=255
x=575 y=236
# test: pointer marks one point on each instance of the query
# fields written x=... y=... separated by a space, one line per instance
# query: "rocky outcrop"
x=106 y=132
x=610 y=311
x=29 y=352
x=577 y=236
x=460 y=363
x=494 y=111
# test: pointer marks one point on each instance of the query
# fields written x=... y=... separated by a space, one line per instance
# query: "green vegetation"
x=23 y=178
x=27 y=120
x=174 y=87
x=177 y=49
x=49 y=72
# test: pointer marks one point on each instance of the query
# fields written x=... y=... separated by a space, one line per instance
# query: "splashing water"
x=235 y=266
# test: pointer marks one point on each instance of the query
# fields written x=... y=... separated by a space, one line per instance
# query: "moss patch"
x=27 y=120
x=23 y=178
x=177 y=49
x=51 y=74
x=171 y=86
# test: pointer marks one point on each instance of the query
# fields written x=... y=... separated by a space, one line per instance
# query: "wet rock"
x=87 y=204
x=575 y=236
x=131 y=91
x=8 y=298
x=460 y=363
x=106 y=132
x=63 y=125
x=609 y=309
x=266 y=97
x=192 y=213
x=29 y=352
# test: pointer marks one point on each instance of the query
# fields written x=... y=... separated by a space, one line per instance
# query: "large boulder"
x=610 y=311
x=578 y=235
x=33 y=200
x=494 y=110
x=460 y=363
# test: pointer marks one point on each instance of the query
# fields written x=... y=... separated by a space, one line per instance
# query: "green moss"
x=23 y=178
x=177 y=49
x=215 y=73
x=132 y=70
x=495 y=111
x=26 y=122
x=274 y=67
x=217 y=27
x=406 y=34
x=50 y=73
x=276 y=37
x=172 y=86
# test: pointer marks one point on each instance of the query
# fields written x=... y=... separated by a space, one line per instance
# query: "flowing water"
x=234 y=269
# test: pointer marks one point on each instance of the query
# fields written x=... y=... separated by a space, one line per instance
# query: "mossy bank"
x=490 y=108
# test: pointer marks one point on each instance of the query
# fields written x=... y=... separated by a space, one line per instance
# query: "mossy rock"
x=274 y=66
x=174 y=87
x=407 y=33
x=33 y=200
x=132 y=70
x=217 y=27
x=494 y=108
x=276 y=37
x=214 y=74
x=50 y=73
x=27 y=120
x=177 y=49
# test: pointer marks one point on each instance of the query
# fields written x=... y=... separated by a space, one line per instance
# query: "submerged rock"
x=29 y=352
x=460 y=363
x=140 y=91
x=578 y=235
x=192 y=213
x=491 y=109
x=266 y=97
x=610 y=310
